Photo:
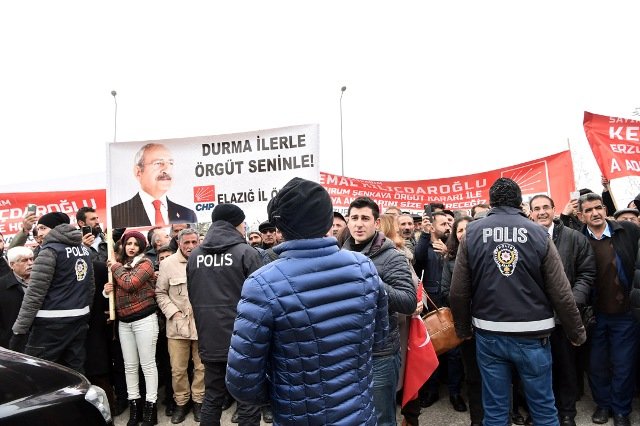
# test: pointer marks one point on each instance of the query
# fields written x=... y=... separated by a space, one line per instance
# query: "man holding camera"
x=92 y=235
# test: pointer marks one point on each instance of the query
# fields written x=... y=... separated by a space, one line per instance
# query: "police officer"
x=507 y=282
x=216 y=271
x=57 y=300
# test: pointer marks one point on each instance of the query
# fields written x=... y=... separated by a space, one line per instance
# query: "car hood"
x=26 y=381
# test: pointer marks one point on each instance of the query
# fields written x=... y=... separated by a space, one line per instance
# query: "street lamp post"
x=341 y=139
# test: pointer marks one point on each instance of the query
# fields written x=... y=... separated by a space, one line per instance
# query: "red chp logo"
x=204 y=194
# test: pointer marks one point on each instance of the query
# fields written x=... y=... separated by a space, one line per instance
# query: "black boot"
x=150 y=414
x=135 y=412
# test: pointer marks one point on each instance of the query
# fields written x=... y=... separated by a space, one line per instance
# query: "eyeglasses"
x=160 y=164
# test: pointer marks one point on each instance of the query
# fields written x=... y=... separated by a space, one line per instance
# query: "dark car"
x=43 y=393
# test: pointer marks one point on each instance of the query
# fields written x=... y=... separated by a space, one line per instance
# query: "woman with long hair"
x=134 y=284
x=390 y=228
x=468 y=347
x=453 y=242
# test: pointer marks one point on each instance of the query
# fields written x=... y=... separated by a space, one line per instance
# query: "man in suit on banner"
x=153 y=168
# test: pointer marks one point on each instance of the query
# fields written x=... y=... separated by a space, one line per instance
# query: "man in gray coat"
x=395 y=276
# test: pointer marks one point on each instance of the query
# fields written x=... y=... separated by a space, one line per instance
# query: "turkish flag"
x=421 y=360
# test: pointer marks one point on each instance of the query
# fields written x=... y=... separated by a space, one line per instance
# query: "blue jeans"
x=386 y=371
x=532 y=359
x=613 y=356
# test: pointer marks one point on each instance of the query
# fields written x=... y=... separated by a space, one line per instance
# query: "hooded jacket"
x=61 y=286
x=303 y=338
x=395 y=275
x=216 y=271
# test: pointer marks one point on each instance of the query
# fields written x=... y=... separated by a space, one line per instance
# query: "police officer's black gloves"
x=18 y=342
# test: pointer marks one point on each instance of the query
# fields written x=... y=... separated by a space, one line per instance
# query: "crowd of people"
x=305 y=319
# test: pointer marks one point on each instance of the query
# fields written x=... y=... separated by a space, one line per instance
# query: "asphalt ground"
x=440 y=413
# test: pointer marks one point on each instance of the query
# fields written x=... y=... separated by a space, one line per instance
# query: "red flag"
x=615 y=143
x=421 y=360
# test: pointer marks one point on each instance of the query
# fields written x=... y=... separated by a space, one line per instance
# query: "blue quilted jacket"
x=304 y=334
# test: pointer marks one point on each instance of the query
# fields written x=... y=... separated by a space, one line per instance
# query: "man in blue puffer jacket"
x=307 y=323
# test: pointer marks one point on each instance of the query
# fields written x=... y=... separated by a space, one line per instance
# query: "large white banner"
x=190 y=176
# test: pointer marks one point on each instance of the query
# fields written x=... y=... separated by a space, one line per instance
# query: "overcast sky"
x=434 y=89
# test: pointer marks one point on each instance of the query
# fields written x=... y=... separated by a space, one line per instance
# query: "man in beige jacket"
x=173 y=299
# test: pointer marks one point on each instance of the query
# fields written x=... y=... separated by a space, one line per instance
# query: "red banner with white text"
x=615 y=143
x=552 y=175
x=13 y=206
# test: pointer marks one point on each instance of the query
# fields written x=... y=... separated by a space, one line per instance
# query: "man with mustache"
x=153 y=168
x=614 y=343
x=12 y=288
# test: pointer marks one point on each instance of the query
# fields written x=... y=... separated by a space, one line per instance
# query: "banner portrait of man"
x=153 y=168
x=182 y=180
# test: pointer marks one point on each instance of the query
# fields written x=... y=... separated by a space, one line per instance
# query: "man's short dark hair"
x=439 y=213
x=481 y=205
x=362 y=202
x=505 y=192
x=165 y=248
x=449 y=212
x=590 y=196
x=535 y=197
x=82 y=213
x=174 y=224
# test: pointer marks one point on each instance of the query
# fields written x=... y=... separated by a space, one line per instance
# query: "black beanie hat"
x=228 y=212
x=53 y=219
x=301 y=209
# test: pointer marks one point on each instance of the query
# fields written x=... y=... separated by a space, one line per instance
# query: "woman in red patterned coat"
x=138 y=324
